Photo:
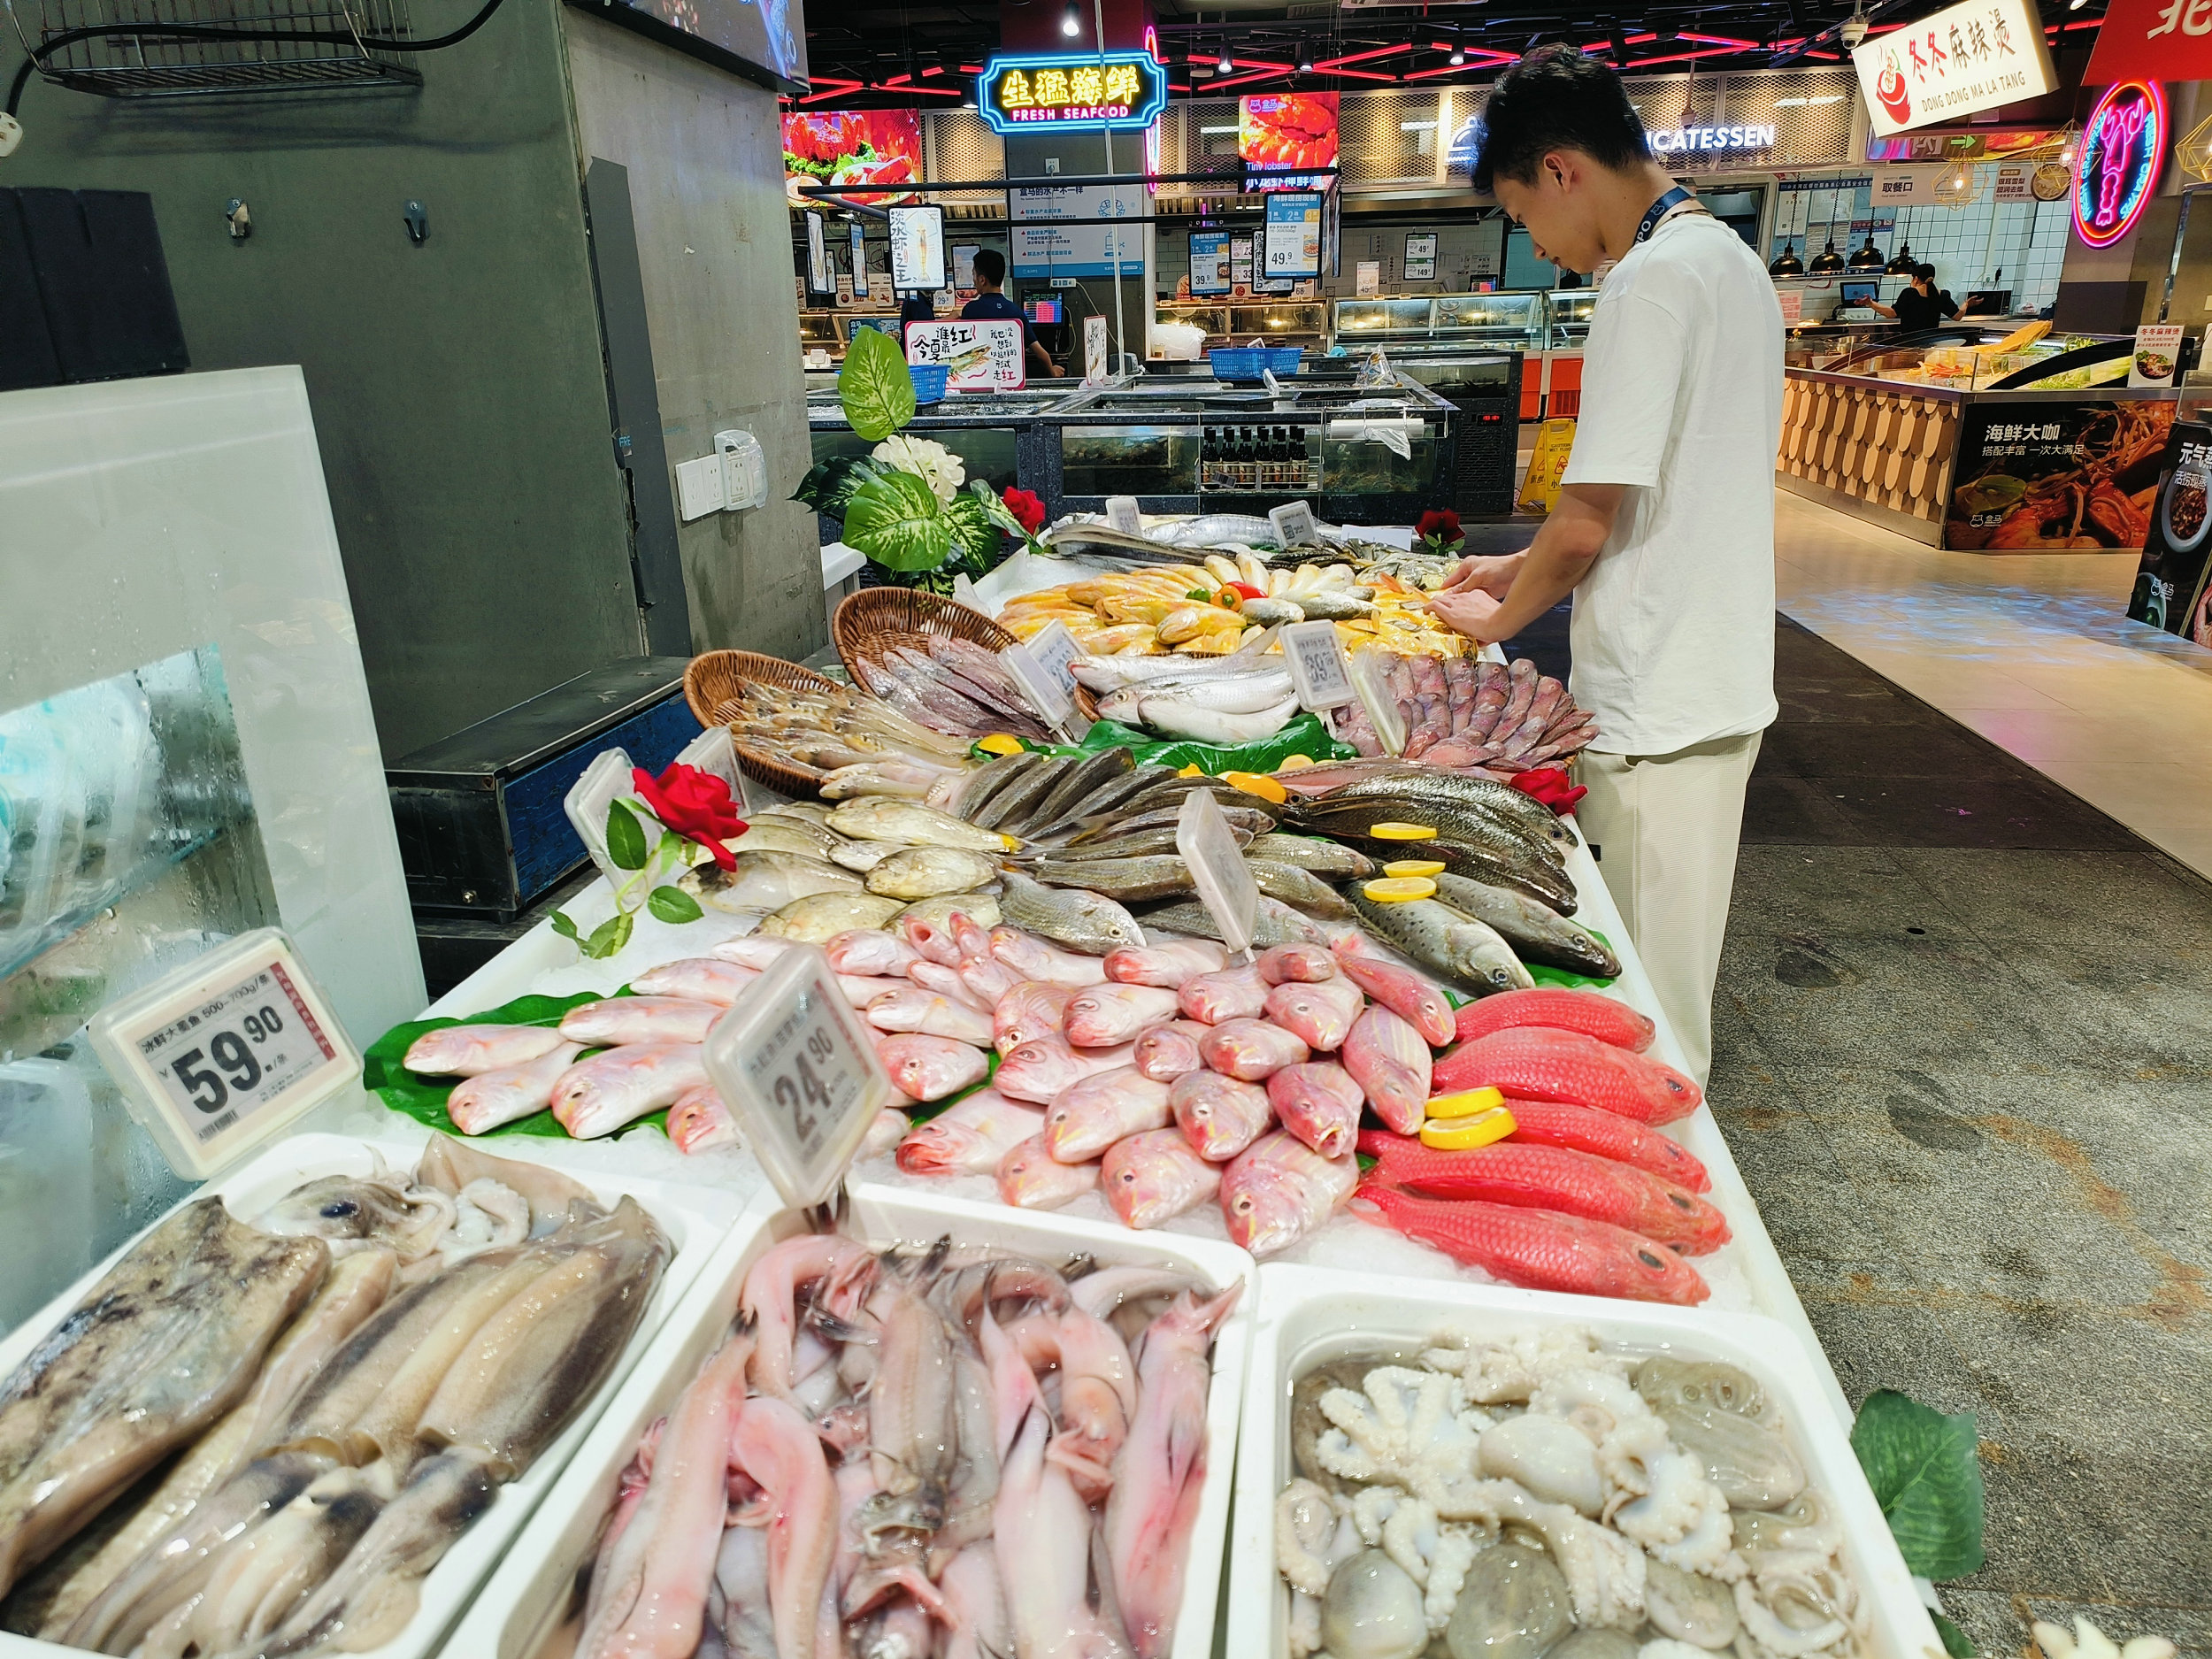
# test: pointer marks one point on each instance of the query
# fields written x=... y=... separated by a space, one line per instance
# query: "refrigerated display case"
x=1510 y=321
x=1568 y=318
x=1485 y=388
x=1241 y=322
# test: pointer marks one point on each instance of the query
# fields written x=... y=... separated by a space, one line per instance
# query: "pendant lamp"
x=1827 y=262
x=1788 y=263
x=1868 y=258
x=1902 y=264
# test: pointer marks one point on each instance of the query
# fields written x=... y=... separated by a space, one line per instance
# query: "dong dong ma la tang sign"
x=1115 y=89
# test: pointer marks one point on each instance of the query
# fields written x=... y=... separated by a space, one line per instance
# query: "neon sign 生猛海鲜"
x=2117 y=168
x=1113 y=89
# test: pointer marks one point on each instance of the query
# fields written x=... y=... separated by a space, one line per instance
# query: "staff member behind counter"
x=990 y=301
x=1920 y=303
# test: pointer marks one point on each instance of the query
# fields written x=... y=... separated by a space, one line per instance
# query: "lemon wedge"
x=1258 y=784
x=1457 y=1135
x=1294 y=763
x=1466 y=1102
x=1415 y=867
x=1399 y=889
x=1401 y=832
x=999 y=744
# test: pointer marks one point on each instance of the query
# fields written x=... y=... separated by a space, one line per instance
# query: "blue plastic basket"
x=929 y=381
x=1246 y=363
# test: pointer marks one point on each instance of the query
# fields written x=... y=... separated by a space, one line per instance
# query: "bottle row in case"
x=1256 y=459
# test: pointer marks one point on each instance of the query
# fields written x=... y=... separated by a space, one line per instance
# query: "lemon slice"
x=1294 y=763
x=1256 y=783
x=1457 y=1135
x=1415 y=867
x=1399 y=889
x=999 y=744
x=1192 y=771
x=1401 y=832
x=1466 y=1102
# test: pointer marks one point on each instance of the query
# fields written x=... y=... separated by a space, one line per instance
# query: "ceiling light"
x=1070 y=25
x=1866 y=257
x=1788 y=263
x=1226 y=64
x=1902 y=263
x=1827 y=262
x=1458 y=56
x=1305 y=63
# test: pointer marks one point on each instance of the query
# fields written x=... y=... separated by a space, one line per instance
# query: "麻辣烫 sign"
x=1950 y=64
x=1120 y=90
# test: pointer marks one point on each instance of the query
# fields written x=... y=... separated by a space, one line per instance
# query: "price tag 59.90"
x=1319 y=672
x=224 y=1053
x=799 y=1073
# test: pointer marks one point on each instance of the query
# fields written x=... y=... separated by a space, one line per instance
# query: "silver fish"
x=764 y=835
x=825 y=915
x=1082 y=921
x=861 y=856
x=1275 y=923
x=1536 y=932
x=764 y=881
x=1154 y=876
x=928 y=872
x=880 y=817
x=1300 y=888
x=1310 y=852
x=1188 y=715
x=1438 y=937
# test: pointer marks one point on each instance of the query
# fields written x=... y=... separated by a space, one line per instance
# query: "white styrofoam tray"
x=696 y=1221
x=528 y=1610
x=1310 y=1316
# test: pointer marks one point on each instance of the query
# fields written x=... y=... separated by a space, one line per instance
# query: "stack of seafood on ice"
x=256 y=1436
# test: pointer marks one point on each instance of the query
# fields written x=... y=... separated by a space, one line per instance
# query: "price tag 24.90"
x=799 y=1073
x=1319 y=672
x=226 y=1052
x=1224 y=883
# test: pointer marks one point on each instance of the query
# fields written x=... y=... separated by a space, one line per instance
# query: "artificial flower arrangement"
x=1439 y=532
x=902 y=504
x=694 y=812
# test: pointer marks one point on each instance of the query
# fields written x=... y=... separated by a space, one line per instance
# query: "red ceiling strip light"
x=1630 y=40
x=1243 y=80
x=1719 y=40
x=1677 y=58
x=1361 y=57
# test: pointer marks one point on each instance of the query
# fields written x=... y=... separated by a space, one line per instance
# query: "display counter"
x=1485 y=387
x=1248 y=321
x=1999 y=467
x=1546 y=328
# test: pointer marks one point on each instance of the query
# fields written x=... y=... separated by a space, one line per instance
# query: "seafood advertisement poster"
x=2169 y=589
x=981 y=354
x=2038 y=476
x=867 y=149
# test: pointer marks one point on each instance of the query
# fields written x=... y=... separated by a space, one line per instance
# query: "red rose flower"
x=1548 y=784
x=1028 y=510
x=1440 y=527
x=696 y=804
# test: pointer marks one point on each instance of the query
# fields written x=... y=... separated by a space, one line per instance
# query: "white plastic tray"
x=1310 y=1315
x=526 y=1612
x=696 y=1221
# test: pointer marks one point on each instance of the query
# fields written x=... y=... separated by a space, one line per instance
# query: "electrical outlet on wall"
x=699 y=487
x=744 y=470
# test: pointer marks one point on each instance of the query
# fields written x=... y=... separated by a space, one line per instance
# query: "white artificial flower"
x=930 y=462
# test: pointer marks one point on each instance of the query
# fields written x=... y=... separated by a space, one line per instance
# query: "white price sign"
x=1319 y=672
x=1122 y=514
x=1054 y=649
x=981 y=354
x=1218 y=869
x=799 y=1073
x=1046 y=691
x=225 y=1052
x=1294 y=524
x=917 y=247
x=1094 y=350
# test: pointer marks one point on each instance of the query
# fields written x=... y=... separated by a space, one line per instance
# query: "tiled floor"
x=2033 y=651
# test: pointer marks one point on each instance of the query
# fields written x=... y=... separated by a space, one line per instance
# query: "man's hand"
x=1489 y=575
x=1469 y=611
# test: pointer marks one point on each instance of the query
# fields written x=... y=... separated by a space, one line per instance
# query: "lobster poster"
x=873 y=155
x=2170 y=588
x=2045 y=476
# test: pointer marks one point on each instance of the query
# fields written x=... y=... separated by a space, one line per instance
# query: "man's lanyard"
x=1664 y=208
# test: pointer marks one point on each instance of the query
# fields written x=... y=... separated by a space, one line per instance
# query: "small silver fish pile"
x=344 y=1387
x=899 y=1453
x=818 y=732
x=950 y=686
x=1477 y=717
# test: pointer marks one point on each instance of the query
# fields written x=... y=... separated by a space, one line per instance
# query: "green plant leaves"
x=875 y=388
x=1927 y=1476
x=609 y=937
x=565 y=928
x=626 y=837
x=972 y=527
x=674 y=904
x=1956 y=1641
x=898 y=522
x=828 y=485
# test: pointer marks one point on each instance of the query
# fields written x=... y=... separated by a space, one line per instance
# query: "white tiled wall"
x=2019 y=245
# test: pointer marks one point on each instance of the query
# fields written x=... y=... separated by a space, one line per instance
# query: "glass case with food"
x=1244 y=322
x=1514 y=319
x=1568 y=316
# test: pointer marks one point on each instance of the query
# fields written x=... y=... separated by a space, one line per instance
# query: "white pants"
x=1665 y=827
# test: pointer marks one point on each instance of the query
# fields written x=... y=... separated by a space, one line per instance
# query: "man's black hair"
x=1556 y=98
x=990 y=267
x=1925 y=272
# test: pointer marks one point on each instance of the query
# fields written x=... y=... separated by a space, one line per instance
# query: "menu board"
x=981 y=354
x=918 y=248
x=2170 y=588
x=1294 y=235
x=1210 y=262
x=1240 y=262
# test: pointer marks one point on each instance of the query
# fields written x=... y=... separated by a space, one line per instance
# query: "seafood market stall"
x=1998 y=459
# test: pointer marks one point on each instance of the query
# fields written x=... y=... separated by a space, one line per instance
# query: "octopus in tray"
x=1543 y=1497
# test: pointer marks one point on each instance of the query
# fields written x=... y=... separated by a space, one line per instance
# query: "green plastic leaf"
x=1926 y=1473
x=874 y=387
x=561 y=926
x=610 y=936
x=1955 y=1640
x=674 y=904
x=829 y=485
x=1305 y=735
x=897 y=521
x=626 y=837
x=972 y=528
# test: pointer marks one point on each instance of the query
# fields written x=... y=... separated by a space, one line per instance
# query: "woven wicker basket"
x=717 y=677
x=870 y=621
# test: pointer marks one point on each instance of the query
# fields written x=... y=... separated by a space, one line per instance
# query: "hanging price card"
x=1054 y=649
x=1122 y=514
x=1294 y=524
x=1319 y=672
x=225 y=1052
x=1045 y=690
x=1218 y=869
x=799 y=1073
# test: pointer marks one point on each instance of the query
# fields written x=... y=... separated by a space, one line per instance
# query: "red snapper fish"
x=1166 y=1052
x=1590 y=1012
x=1319 y=1103
x=1554 y=1178
x=1038 y=1069
x=1169 y=965
x=912 y=1008
x=1213 y=999
x=928 y=1067
x=626 y=1020
x=1094 y=1113
x=1219 y=1115
x=969 y=1136
x=867 y=952
x=1411 y=996
x=1100 y=1016
x=1029 y=1178
x=700 y=1120
x=1155 y=1177
x=513 y=1092
x=701 y=979
x=1027 y=1010
x=1538 y=1249
x=1033 y=958
x=1320 y=1013
x=1389 y=1061
x=1280 y=1189
x=598 y=1096
x=1539 y=1062
x=1250 y=1049
x=1609 y=1135
x=472 y=1050
x=1283 y=964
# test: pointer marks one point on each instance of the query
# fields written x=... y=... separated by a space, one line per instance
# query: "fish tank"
x=1568 y=312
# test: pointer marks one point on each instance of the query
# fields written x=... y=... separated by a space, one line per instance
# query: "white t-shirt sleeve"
x=1631 y=378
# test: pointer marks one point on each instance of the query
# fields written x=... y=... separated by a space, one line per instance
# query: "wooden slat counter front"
x=1879 y=449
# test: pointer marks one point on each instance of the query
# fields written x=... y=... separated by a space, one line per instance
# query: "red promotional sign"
x=2152 y=40
x=867 y=149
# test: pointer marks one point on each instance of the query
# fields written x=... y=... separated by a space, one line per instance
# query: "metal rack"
x=151 y=60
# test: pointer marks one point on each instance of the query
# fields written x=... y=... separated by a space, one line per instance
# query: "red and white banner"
x=2152 y=40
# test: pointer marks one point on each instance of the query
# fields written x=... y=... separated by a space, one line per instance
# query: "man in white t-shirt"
x=1664 y=530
